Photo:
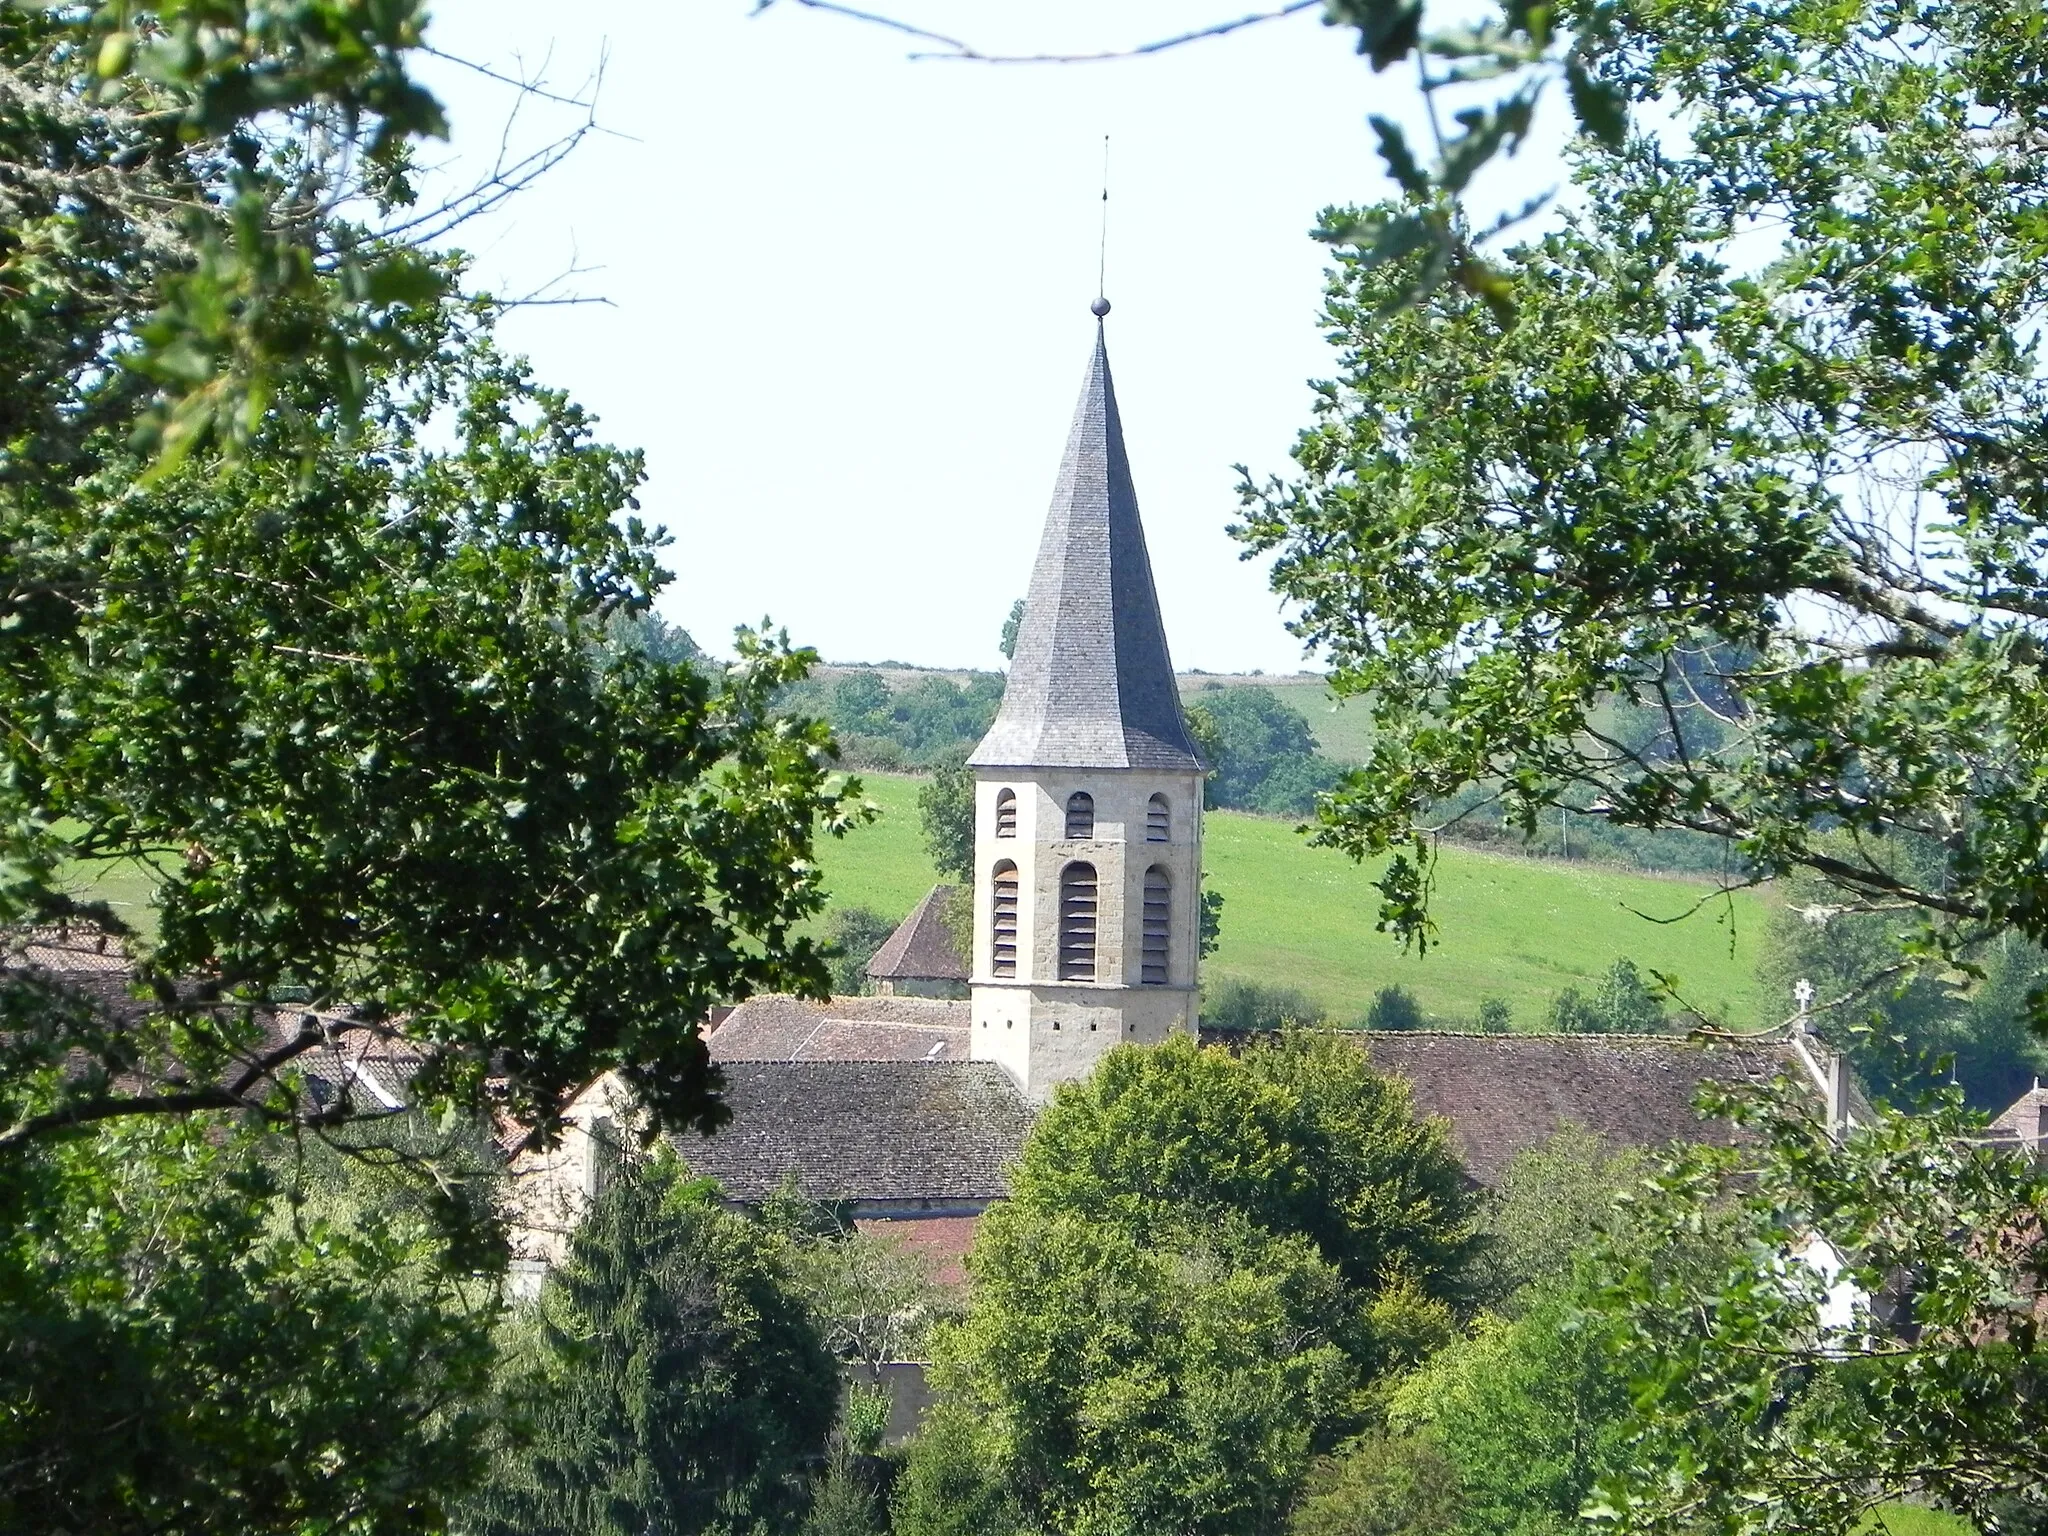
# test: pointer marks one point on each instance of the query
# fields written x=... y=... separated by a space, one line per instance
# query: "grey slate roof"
x=1091 y=685
x=775 y=1027
x=922 y=947
x=865 y=1130
x=1505 y=1093
x=2025 y=1121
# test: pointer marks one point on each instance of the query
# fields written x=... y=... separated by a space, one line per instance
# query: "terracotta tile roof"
x=1505 y=1093
x=941 y=1241
x=865 y=1130
x=1091 y=685
x=781 y=1028
x=922 y=948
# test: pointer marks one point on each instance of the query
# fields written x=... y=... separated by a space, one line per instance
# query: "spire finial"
x=1101 y=305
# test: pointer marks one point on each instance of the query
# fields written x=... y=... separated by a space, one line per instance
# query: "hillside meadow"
x=1519 y=929
x=1342 y=728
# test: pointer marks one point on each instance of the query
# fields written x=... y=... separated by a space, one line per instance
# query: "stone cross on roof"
x=1091 y=684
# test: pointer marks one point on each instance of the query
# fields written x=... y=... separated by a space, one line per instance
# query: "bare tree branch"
x=959 y=50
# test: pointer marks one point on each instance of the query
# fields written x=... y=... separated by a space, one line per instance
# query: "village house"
x=922 y=958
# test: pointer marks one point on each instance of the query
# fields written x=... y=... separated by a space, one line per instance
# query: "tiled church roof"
x=1504 y=1094
x=774 y=1027
x=1091 y=685
x=922 y=947
x=865 y=1131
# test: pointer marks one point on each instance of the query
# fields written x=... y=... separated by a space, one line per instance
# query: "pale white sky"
x=848 y=293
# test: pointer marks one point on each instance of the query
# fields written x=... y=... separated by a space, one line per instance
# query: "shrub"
x=1623 y=1005
x=1394 y=1008
x=856 y=932
x=1248 y=1006
x=952 y=1483
x=1380 y=1485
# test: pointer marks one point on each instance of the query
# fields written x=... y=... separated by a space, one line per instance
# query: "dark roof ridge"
x=1761 y=1037
x=832 y=1063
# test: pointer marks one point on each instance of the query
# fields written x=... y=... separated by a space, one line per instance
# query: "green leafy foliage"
x=1380 y=1485
x=1529 y=1412
x=1506 y=1428
x=1241 y=1007
x=1261 y=754
x=846 y=1500
x=1205 y=1261
x=303 y=608
x=1623 y=1004
x=395 y=766
x=854 y=933
x=955 y=1481
x=1555 y=1202
x=1783 y=1384
x=1298 y=1131
x=324 y=614
x=1008 y=643
x=202 y=1330
x=1209 y=934
x=1188 y=1377
x=912 y=726
x=945 y=810
x=872 y=1296
x=1394 y=1008
x=682 y=1382
x=1681 y=445
x=1906 y=1026
x=651 y=636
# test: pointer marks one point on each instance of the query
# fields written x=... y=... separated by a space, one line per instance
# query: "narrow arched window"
x=1158 y=926
x=1077 y=923
x=1006 y=813
x=1158 y=821
x=1080 y=814
x=1003 y=920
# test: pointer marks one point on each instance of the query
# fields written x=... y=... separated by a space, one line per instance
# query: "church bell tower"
x=1088 y=790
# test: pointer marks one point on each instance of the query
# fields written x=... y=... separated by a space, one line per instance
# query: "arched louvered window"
x=1080 y=815
x=1077 y=923
x=1006 y=813
x=1158 y=926
x=1003 y=920
x=1158 y=821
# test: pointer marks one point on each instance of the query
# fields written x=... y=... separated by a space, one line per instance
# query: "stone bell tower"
x=1088 y=792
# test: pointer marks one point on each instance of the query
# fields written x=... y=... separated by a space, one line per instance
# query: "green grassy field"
x=1913 y=1520
x=1520 y=929
x=1343 y=731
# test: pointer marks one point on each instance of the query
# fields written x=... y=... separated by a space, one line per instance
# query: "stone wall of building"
x=1043 y=1029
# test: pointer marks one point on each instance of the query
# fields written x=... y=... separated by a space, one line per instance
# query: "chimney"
x=1838 y=1095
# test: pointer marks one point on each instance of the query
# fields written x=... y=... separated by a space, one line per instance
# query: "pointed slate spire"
x=1091 y=685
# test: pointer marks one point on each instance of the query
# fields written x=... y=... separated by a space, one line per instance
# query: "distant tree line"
x=1262 y=753
x=914 y=727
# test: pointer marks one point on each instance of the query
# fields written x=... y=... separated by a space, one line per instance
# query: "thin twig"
x=959 y=50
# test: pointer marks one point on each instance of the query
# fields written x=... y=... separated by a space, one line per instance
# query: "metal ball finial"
x=1099 y=308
